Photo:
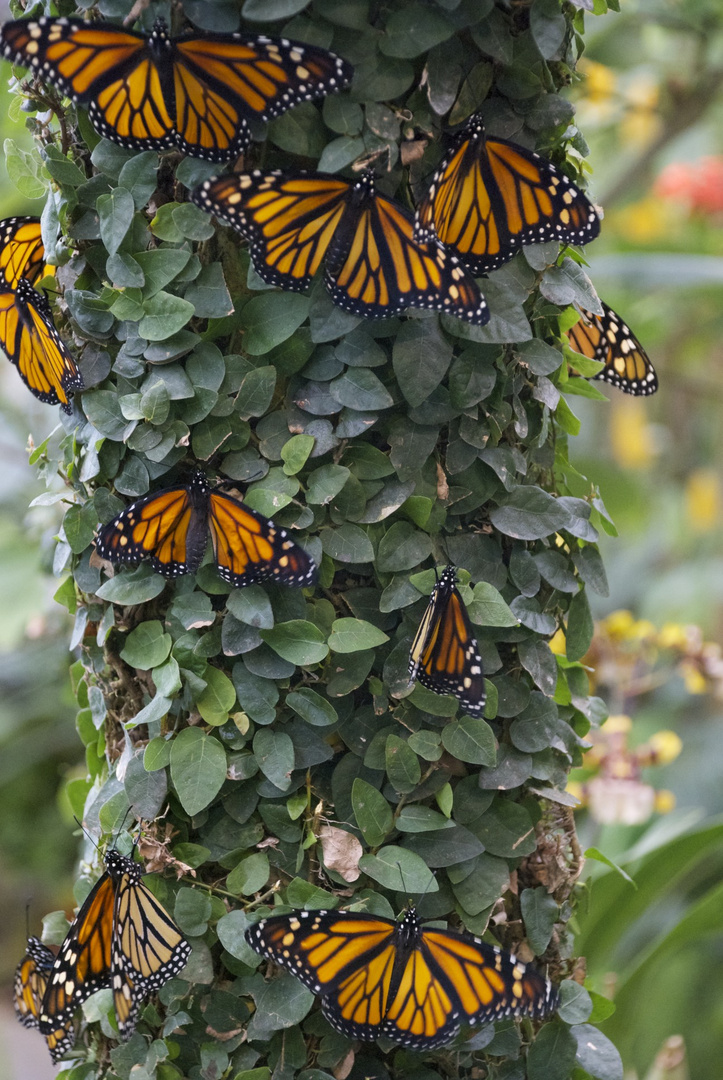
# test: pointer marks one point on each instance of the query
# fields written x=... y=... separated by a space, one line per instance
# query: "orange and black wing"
x=416 y=986
x=445 y=656
x=222 y=81
x=83 y=964
x=289 y=219
x=31 y=980
x=168 y=528
x=30 y=341
x=22 y=254
x=249 y=548
x=148 y=949
x=196 y=92
x=607 y=339
x=489 y=196
x=376 y=268
x=348 y=959
x=454 y=979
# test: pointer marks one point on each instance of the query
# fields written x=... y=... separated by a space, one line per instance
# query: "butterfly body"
x=490 y=196
x=195 y=92
x=606 y=338
x=297 y=221
x=121 y=938
x=404 y=980
x=445 y=656
x=170 y=528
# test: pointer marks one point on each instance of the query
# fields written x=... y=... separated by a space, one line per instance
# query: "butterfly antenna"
x=90 y=837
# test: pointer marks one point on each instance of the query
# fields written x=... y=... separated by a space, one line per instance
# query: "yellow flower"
x=664 y=801
x=576 y=789
x=703 y=500
x=600 y=81
x=618 y=623
x=617 y=724
x=631 y=435
x=666 y=746
x=647 y=219
x=693 y=678
x=557 y=642
x=672 y=636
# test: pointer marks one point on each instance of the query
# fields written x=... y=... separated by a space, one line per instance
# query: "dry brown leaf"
x=342 y=852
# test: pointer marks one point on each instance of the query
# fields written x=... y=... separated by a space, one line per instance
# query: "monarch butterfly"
x=170 y=528
x=489 y=196
x=606 y=338
x=27 y=334
x=196 y=92
x=445 y=655
x=31 y=979
x=122 y=938
x=374 y=266
x=22 y=253
x=414 y=984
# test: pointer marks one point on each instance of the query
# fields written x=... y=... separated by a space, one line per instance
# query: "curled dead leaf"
x=342 y=852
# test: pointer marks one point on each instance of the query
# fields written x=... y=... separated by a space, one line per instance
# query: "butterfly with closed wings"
x=405 y=980
x=170 y=528
x=121 y=938
x=607 y=339
x=490 y=196
x=445 y=656
x=31 y=980
x=27 y=334
x=295 y=221
x=196 y=92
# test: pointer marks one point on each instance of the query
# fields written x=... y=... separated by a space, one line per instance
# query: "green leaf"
x=324 y=483
x=251 y=606
x=421 y=355
x=295 y=453
x=575 y=1002
x=419 y=819
x=265 y=10
x=25 y=170
x=115 y=215
x=353 y=635
x=414 y=29
x=540 y=912
x=548 y=26
x=347 y=544
x=360 y=389
x=398 y=869
x=470 y=740
x=198 y=768
x=506 y=830
x=271 y=318
x=218 y=699
x=147 y=646
x=256 y=392
x=165 y=314
x=298 y=641
x=372 y=812
x=402 y=548
x=552 y=1054
x=274 y=752
x=402 y=765
x=536 y=726
x=280 y=1004
x=596 y=1054
x=192 y=910
x=488 y=608
x=231 y=930
x=79 y=525
x=580 y=627
x=541 y=359
x=250 y=875
x=312 y=707
x=598 y=856
x=529 y=513
x=167 y=678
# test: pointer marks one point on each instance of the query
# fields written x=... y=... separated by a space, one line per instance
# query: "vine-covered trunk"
x=266 y=737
